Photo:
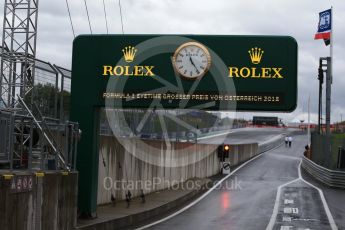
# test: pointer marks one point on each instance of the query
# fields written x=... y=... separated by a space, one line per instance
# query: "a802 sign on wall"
x=246 y=73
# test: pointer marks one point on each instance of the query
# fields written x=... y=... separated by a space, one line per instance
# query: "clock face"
x=192 y=60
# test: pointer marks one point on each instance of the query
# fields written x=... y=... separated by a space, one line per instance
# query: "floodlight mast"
x=18 y=51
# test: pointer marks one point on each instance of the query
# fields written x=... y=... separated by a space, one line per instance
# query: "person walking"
x=286 y=141
x=290 y=141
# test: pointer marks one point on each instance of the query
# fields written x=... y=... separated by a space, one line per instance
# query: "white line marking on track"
x=285 y=227
x=201 y=197
x=289 y=210
x=288 y=201
x=287 y=218
x=276 y=204
x=216 y=135
x=324 y=202
x=277 y=201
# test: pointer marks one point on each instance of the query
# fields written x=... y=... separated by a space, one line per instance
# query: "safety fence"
x=329 y=177
x=173 y=125
x=50 y=89
x=35 y=133
x=332 y=157
x=36 y=143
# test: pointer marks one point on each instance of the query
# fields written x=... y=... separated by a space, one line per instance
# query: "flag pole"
x=331 y=45
x=309 y=120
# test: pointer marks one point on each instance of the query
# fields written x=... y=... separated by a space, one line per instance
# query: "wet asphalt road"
x=246 y=200
x=335 y=199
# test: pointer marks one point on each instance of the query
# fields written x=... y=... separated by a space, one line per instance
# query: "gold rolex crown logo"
x=255 y=55
x=129 y=53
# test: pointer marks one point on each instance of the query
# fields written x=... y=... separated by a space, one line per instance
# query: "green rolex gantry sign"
x=244 y=73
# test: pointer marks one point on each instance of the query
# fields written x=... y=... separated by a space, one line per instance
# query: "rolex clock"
x=191 y=60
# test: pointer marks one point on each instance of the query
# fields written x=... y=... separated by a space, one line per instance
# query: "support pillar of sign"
x=87 y=158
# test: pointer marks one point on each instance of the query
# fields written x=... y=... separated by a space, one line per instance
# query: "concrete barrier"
x=49 y=201
x=38 y=202
x=124 y=169
x=271 y=144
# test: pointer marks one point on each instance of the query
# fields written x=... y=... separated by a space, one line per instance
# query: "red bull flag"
x=325 y=26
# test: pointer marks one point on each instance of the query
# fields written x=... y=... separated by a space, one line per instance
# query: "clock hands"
x=191 y=60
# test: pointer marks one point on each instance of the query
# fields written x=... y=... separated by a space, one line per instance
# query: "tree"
x=44 y=98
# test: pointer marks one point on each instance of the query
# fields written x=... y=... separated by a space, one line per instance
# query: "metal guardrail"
x=329 y=177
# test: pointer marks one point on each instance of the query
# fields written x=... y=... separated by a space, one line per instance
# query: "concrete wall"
x=197 y=160
x=50 y=204
x=272 y=143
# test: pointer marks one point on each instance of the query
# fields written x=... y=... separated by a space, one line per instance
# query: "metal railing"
x=50 y=89
x=35 y=133
x=32 y=142
x=329 y=177
x=44 y=129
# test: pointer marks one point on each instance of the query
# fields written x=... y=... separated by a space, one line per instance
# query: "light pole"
x=302 y=121
x=341 y=118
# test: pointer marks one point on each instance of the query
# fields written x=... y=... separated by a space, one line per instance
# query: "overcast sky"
x=297 y=18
